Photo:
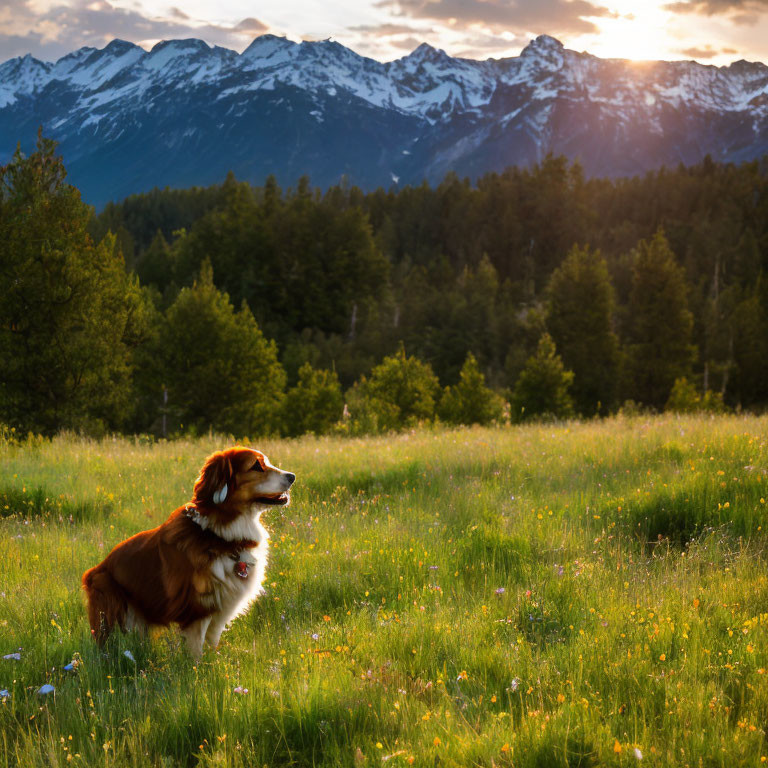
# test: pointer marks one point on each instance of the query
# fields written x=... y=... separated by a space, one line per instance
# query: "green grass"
x=533 y=596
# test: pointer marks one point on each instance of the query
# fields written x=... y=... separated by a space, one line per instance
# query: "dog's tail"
x=107 y=602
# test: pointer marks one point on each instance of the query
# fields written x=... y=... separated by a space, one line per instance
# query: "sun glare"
x=636 y=32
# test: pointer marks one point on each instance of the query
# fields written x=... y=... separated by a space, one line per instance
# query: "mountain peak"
x=266 y=47
x=187 y=44
x=426 y=52
x=543 y=43
x=544 y=51
x=118 y=46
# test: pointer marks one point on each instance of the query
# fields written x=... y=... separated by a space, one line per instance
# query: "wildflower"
x=617 y=747
x=505 y=747
x=514 y=685
x=500 y=591
x=10 y=656
x=5 y=694
x=638 y=754
x=436 y=742
x=462 y=676
x=315 y=636
x=326 y=618
x=432 y=567
x=46 y=689
x=242 y=691
x=128 y=655
x=69 y=667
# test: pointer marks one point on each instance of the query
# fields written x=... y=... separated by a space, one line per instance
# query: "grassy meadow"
x=579 y=594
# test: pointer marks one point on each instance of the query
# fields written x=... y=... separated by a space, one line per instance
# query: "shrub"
x=685 y=398
x=400 y=393
x=542 y=389
x=470 y=401
x=315 y=404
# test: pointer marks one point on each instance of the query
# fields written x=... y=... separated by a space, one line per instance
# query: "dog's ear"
x=212 y=486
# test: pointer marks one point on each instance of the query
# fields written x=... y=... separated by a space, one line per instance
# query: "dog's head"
x=237 y=479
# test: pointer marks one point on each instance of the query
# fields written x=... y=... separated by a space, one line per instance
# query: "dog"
x=203 y=566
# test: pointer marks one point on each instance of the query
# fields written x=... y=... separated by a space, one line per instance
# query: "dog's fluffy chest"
x=237 y=580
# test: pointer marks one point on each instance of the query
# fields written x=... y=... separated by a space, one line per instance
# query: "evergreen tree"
x=659 y=347
x=220 y=371
x=236 y=240
x=470 y=401
x=156 y=264
x=542 y=388
x=749 y=335
x=579 y=318
x=69 y=314
x=315 y=404
x=400 y=393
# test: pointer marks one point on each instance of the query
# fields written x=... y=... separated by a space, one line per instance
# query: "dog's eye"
x=257 y=467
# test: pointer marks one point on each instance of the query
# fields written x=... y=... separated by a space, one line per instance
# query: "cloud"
x=407 y=44
x=473 y=43
x=550 y=16
x=480 y=46
x=250 y=26
x=387 y=30
x=744 y=12
x=700 y=53
x=67 y=27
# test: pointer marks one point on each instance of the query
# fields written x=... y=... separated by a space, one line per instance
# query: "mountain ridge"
x=186 y=112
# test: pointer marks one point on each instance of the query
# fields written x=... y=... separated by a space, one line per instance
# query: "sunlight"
x=637 y=32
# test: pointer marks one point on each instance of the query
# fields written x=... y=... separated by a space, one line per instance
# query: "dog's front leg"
x=214 y=631
x=194 y=634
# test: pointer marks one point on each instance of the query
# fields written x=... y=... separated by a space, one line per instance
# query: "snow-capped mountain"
x=185 y=113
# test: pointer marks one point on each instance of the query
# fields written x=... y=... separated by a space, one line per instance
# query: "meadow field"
x=554 y=595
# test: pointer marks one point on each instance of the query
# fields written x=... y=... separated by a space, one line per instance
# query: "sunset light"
x=637 y=31
x=487 y=280
x=709 y=32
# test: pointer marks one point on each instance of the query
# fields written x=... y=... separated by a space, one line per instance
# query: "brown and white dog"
x=203 y=566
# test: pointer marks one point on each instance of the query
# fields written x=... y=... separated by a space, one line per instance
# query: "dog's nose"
x=290 y=477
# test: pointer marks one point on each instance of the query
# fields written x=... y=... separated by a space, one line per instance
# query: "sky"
x=709 y=31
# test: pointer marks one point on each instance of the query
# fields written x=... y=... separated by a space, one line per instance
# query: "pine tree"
x=541 y=390
x=400 y=393
x=470 y=401
x=579 y=318
x=749 y=332
x=69 y=314
x=156 y=264
x=315 y=404
x=659 y=349
x=220 y=371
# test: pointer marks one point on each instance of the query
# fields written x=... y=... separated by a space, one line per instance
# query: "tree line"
x=257 y=310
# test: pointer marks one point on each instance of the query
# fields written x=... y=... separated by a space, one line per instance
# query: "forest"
x=258 y=310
